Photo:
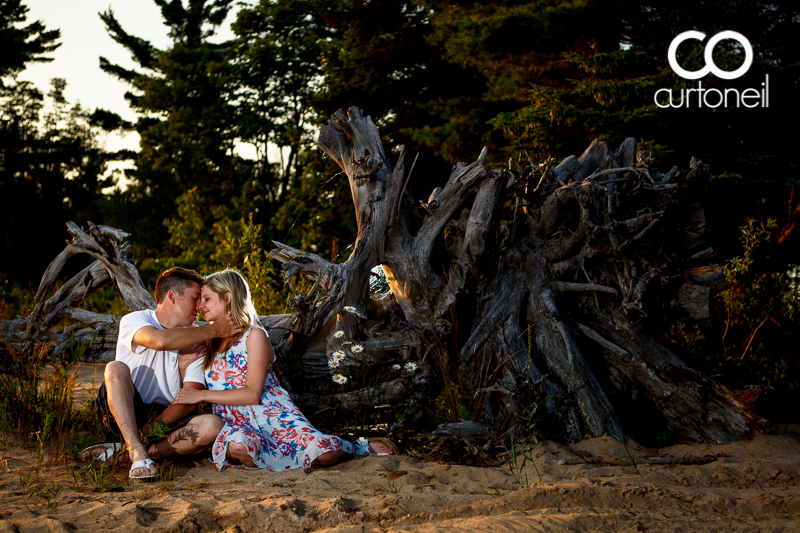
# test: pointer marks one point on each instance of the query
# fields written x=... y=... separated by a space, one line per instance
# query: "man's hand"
x=179 y=338
x=226 y=327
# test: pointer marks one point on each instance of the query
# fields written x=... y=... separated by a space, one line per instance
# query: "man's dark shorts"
x=144 y=413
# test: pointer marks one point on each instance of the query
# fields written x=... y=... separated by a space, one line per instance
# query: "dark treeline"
x=524 y=78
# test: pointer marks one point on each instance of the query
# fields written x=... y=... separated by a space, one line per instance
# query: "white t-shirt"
x=154 y=373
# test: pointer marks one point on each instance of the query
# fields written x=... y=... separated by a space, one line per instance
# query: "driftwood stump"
x=559 y=307
x=564 y=301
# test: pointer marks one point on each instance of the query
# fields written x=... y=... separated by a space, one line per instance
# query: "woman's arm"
x=259 y=357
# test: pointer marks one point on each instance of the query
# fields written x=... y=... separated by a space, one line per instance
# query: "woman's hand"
x=189 y=396
x=189 y=355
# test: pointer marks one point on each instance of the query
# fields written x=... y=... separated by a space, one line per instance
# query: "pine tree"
x=186 y=120
x=52 y=169
x=22 y=44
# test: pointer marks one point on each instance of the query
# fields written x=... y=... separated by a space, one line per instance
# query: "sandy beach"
x=746 y=486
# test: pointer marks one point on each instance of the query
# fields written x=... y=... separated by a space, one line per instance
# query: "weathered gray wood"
x=566 y=224
x=105 y=245
x=75 y=291
x=597 y=249
x=695 y=406
x=695 y=300
x=467 y=430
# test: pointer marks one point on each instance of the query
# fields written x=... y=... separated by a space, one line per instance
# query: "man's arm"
x=179 y=338
x=174 y=412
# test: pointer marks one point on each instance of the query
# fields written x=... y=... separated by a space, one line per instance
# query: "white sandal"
x=144 y=463
x=109 y=449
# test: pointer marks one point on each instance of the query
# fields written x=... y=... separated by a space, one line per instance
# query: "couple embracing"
x=165 y=366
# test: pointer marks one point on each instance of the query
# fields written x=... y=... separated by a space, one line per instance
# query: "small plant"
x=26 y=485
x=76 y=350
x=667 y=438
x=97 y=475
x=49 y=494
x=495 y=494
x=169 y=473
x=527 y=421
x=43 y=437
x=517 y=468
x=46 y=495
x=392 y=485
x=754 y=340
x=155 y=433
x=628 y=462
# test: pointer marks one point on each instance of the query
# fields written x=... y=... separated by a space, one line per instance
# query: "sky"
x=84 y=39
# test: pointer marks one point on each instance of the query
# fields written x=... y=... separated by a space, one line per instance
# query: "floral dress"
x=276 y=434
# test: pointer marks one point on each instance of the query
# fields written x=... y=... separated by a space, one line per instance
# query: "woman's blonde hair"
x=241 y=305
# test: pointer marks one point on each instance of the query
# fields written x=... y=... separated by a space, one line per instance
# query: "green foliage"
x=239 y=246
x=184 y=95
x=155 y=433
x=16 y=300
x=745 y=300
x=22 y=42
x=29 y=489
x=37 y=401
x=43 y=437
x=627 y=462
x=97 y=476
x=52 y=169
x=207 y=240
x=753 y=341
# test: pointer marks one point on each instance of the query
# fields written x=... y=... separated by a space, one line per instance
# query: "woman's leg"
x=237 y=454
x=331 y=458
x=328 y=458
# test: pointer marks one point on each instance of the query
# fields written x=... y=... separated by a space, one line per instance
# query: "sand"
x=746 y=486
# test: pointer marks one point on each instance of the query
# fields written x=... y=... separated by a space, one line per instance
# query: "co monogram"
x=710 y=66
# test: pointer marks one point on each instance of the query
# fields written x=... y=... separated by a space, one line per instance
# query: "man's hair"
x=176 y=279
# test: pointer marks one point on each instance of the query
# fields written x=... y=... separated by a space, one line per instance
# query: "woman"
x=263 y=428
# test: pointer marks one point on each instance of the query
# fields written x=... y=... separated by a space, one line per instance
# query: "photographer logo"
x=700 y=97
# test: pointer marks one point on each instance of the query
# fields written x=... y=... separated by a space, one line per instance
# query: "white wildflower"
x=351 y=309
x=339 y=334
x=340 y=379
x=337 y=355
x=345 y=343
x=333 y=363
x=410 y=367
x=357 y=348
x=396 y=367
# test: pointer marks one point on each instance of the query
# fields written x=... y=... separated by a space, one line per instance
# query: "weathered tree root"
x=592 y=241
x=559 y=310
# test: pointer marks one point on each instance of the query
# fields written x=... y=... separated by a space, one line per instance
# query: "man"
x=148 y=372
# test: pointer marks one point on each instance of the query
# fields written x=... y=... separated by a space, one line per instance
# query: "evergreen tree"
x=278 y=63
x=559 y=74
x=52 y=163
x=184 y=98
x=22 y=44
x=52 y=169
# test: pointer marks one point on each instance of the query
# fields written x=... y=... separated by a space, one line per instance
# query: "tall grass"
x=37 y=402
